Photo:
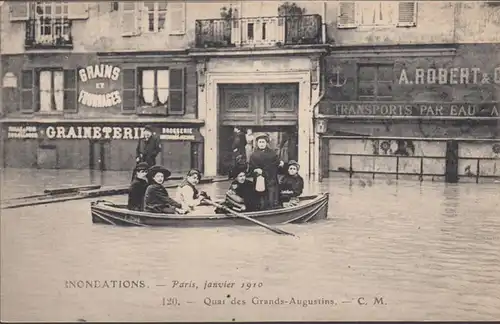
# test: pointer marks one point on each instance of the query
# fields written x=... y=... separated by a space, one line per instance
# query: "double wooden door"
x=259 y=104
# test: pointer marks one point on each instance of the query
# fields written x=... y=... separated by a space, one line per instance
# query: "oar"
x=230 y=211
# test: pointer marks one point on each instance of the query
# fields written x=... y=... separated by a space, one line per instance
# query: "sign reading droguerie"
x=390 y=109
x=22 y=132
x=99 y=86
x=178 y=134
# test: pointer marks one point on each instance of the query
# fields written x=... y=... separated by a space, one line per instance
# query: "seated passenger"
x=156 y=199
x=241 y=195
x=138 y=187
x=187 y=193
x=291 y=185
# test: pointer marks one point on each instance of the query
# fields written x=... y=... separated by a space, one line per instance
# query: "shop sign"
x=390 y=109
x=94 y=132
x=99 y=86
x=454 y=75
x=22 y=132
x=178 y=134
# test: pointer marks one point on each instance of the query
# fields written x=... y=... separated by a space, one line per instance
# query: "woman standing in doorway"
x=250 y=143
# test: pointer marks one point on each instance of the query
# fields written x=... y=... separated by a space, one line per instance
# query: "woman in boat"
x=264 y=163
x=291 y=185
x=138 y=187
x=156 y=198
x=241 y=195
x=187 y=194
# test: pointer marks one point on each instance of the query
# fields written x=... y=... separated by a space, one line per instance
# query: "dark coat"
x=149 y=149
x=240 y=194
x=157 y=198
x=294 y=183
x=268 y=161
x=239 y=142
x=136 y=194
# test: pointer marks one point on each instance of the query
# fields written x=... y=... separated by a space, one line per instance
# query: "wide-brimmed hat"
x=237 y=170
x=158 y=168
x=149 y=128
x=143 y=166
x=262 y=135
x=295 y=163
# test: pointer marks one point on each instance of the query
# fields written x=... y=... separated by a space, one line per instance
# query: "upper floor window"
x=375 y=82
x=158 y=91
x=352 y=14
x=153 y=16
x=156 y=15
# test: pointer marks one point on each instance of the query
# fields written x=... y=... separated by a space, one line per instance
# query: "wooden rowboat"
x=310 y=208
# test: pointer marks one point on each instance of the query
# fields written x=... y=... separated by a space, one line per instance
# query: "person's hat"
x=237 y=170
x=295 y=163
x=262 y=135
x=143 y=166
x=149 y=128
x=158 y=168
x=194 y=171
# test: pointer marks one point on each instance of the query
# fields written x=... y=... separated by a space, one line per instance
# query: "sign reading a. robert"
x=99 y=86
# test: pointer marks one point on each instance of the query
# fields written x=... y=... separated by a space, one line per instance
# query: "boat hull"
x=311 y=209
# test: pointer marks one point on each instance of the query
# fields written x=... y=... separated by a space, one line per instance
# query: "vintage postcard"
x=245 y=160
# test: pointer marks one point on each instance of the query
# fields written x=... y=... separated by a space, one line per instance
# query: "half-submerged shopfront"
x=416 y=112
x=89 y=110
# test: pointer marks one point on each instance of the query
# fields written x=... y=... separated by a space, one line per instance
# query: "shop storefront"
x=89 y=111
x=424 y=113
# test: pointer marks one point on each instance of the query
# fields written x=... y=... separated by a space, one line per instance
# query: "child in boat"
x=156 y=198
x=138 y=187
x=291 y=185
x=187 y=194
x=241 y=195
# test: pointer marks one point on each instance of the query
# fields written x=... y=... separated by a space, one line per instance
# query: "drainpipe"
x=323 y=20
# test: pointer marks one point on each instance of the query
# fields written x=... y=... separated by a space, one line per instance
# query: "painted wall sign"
x=454 y=75
x=178 y=134
x=99 y=86
x=22 y=132
x=392 y=109
x=94 y=132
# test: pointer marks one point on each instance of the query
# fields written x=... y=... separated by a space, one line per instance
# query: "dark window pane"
x=69 y=79
x=385 y=73
x=366 y=89
x=27 y=100
x=27 y=80
x=384 y=89
x=367 y=73
x=70 y=100
x=128 y=100
x=176 y=79
x=176 y=102
x=129 y=79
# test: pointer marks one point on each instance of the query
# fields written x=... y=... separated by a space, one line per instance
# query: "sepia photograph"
x=248 y=160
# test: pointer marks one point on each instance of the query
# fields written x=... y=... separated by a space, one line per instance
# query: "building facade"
x=413 y=90
x=369 y=86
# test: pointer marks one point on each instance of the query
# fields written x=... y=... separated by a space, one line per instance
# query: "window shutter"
x=176 y=18
x=70 y=91
x=131 y=18
x=129 y=92
x=19 y=11
x=27 y=90
x=78 y=10
x=347 y=15
x=176 y=98
x=407 y=14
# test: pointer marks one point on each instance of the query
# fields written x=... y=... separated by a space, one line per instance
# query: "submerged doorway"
x=264 y=108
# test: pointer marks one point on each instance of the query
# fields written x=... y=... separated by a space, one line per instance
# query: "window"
x=51 y=91
x=375 y=82
x=352 y=14
x=161 y=91
x=156 y=15
x=51 y=22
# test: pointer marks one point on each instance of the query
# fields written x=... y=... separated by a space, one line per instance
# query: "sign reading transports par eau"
x=394 y=109
x=99 y=86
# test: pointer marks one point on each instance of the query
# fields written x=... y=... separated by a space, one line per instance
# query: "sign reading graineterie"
x=93 y=132
x=99 y=86
x=394 y=109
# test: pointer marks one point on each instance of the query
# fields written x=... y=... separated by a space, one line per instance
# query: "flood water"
x=389 y=251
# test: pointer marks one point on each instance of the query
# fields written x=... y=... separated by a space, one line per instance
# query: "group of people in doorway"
x=260 y=181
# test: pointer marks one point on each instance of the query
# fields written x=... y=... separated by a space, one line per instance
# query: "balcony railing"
x=48 y=33
x=259 y=31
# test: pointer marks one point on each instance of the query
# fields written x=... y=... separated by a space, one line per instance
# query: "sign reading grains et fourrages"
x=100 y=86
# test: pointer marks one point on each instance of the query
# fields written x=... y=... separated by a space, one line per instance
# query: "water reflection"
x=430 y=250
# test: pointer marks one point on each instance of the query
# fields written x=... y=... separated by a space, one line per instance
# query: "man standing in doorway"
x=148 y=147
